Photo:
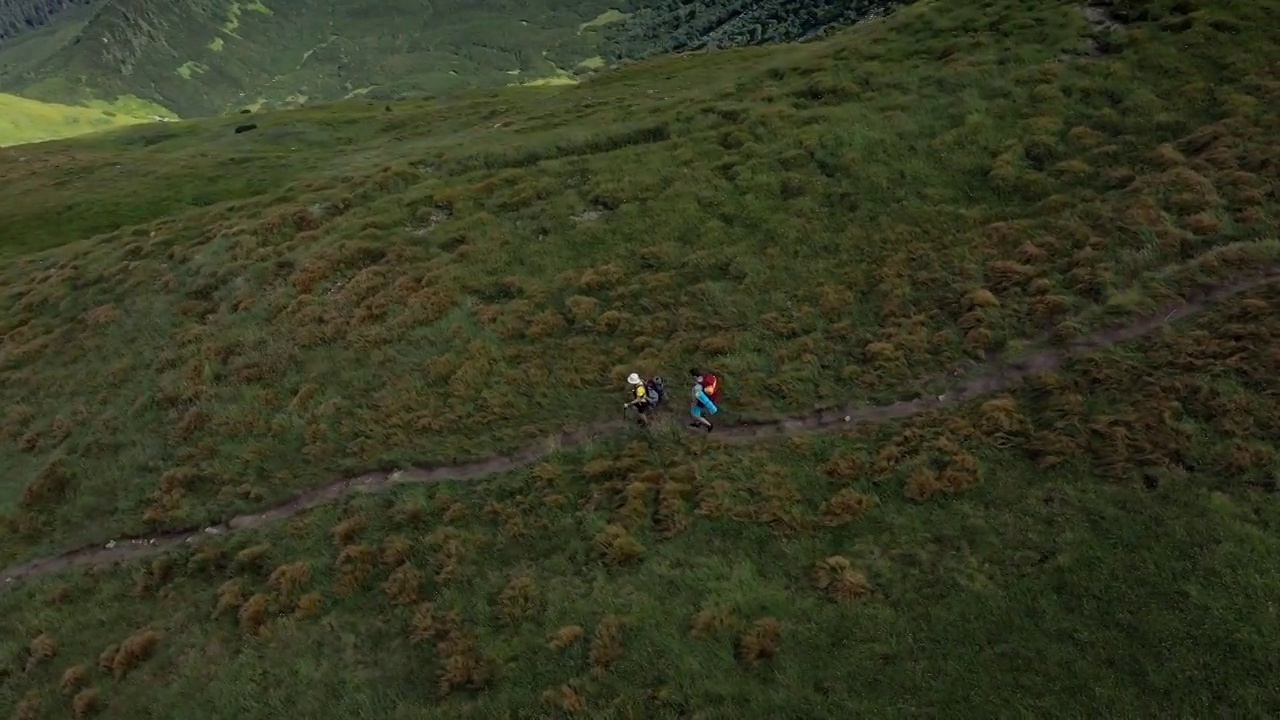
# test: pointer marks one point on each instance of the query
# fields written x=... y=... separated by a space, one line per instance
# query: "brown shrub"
x=410 y=512
x=971 y=320
x=564 y=637
x=717 y=344
x=1194 y=192
x=254 y=613
x=1203 y=224
x=844 y=507
x=923 y=484
x=1049 y=307
x=1072 y=168
x=85 y=703
x=230 y=596
x=883 y=352
x=252 y=557
x=107 y=658
x=355 y=563
x=761 y=641
x=582 y=310
x=600 y=469
x=962 y=473
x=289 y=579
x=981 y=298
x=43 y=648
x=1166 y=156
x=606 y=645
x=715 y=500
x=1086 y=137
x=834 y=301
x=617 y=546
x=837 y=577
x=1251 y=198
x=345 y=532
x=1029 y=252
x=977 y=340
x=844 y=465
x=102 y=315
x=308 y=606
x=135 y=650
x=518 y=599
x=462 y=663
x=999 y=418
x=566 y=699
x=404 y=585
x=602 y=277
x=1119 y=177
x=396 y=550
x=545 y=324
x=636 y=506
x=191 y=422
x=710 y=621
x=73 y=678
x=1006 y=274
x=431 y=625
x=671 y=517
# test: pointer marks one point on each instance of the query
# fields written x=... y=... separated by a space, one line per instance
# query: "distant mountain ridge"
x=207 y=57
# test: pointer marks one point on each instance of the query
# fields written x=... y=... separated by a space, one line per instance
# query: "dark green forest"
x=21 y=16
x=659 y=26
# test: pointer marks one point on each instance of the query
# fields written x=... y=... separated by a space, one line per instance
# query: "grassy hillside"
x=23 y=120
x=200 y=323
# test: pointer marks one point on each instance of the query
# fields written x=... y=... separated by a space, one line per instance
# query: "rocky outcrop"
x=661 y=26
x=18 y=17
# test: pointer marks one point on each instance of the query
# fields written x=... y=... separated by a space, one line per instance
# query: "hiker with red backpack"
x=706 y=391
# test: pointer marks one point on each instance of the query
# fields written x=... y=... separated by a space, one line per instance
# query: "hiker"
x=702 y=402
x=641 y=398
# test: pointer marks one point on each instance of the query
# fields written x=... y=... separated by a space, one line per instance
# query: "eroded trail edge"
x=993 y=376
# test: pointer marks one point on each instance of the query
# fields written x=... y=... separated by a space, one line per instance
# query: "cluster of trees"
x=18 y=17
x=660 y=26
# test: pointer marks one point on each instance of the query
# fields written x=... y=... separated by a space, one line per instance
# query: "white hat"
x=634 y=378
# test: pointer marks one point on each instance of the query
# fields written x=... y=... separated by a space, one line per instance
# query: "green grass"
x=23 y=120
x=199 y=323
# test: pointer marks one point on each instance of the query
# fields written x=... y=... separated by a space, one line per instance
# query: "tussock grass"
x=348 y=287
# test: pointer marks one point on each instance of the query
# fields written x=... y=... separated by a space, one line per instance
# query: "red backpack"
x=711 y=386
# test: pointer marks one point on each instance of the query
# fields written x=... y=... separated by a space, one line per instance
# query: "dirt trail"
x=991 y=377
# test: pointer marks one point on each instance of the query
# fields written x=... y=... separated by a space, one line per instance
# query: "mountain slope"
x=199 y=323
x=201 y=57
